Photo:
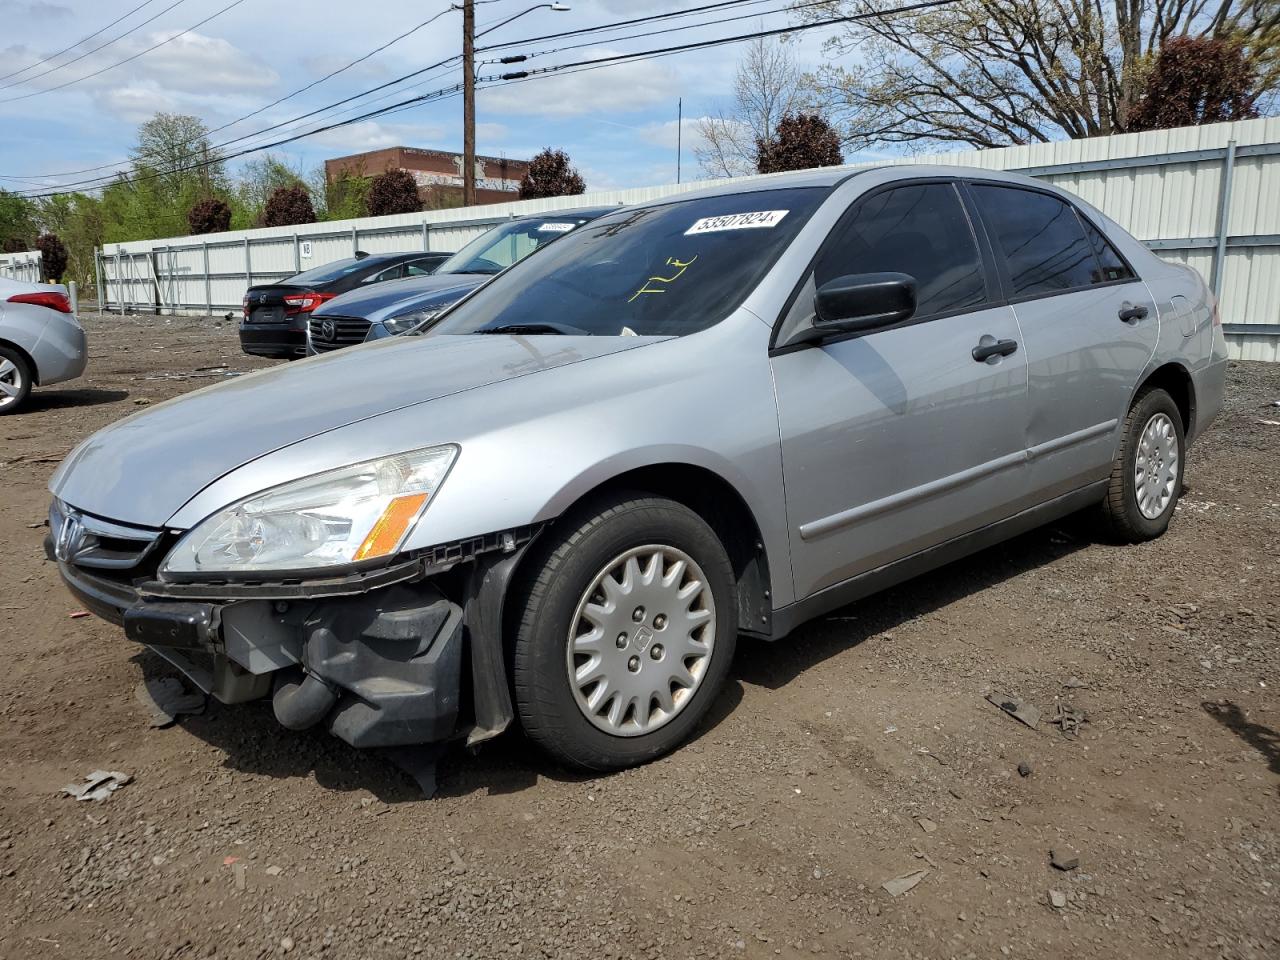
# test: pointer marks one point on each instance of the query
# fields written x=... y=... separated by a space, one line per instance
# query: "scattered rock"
x=98 y=785
x=1057 y=899
x=1064 y=859
x=927 y=825
x=274 y=871
x=1024 y=769
x=900 y=885
x=1023 y=712
x=1075 y=683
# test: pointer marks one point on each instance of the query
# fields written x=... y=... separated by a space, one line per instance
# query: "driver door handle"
x=990 y=347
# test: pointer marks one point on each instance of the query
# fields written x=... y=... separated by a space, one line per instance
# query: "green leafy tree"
x=77 y=219
x=551 y=175
x=347 y=197
x=799 y=142
x=17 y=222
x=393 y=192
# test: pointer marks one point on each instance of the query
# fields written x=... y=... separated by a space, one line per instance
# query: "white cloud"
x=371 y=135
x=621 y=88
x=36 y=10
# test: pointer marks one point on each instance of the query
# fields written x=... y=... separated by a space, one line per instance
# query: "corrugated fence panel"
x=1164 y=186
x=24 y=265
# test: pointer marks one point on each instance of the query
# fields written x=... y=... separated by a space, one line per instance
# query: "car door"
x=900 y=439
x=1088 y=325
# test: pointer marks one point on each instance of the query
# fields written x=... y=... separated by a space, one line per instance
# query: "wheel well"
x=27 y=359
x=716 y=501
x=1174 y=380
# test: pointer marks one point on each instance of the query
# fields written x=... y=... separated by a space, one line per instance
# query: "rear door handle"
x=1129 y=313
x=989 y=347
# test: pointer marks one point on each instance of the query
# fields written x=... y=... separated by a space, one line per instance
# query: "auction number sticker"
x=737 y=221
x=555 y=228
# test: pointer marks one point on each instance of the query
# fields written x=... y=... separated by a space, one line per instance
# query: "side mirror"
x=862 y=302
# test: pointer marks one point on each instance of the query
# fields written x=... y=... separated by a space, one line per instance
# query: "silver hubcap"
x=10 y=382
x=641 y=640
x=1155 y=475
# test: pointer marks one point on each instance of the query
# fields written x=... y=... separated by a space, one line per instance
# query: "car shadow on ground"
x=1262 y=738
x=774 y=665
x=61 y=399
x=254 y=743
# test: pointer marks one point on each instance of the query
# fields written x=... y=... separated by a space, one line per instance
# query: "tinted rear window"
x=1041 y=238
x=329 y=272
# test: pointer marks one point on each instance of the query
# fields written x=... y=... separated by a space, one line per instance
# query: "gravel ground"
x=860 y=750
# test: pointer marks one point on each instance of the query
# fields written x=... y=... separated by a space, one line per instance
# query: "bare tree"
x=996 y=72
x=768 y=86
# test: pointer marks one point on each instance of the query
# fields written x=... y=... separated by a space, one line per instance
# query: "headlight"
x=342 y=516
x=407 y=321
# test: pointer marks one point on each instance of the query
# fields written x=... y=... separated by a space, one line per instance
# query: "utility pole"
x=468 y=103
x=679 y=134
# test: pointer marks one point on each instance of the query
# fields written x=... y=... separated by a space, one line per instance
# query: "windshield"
x=657 y=271
x=495 y=250
x=330 y=271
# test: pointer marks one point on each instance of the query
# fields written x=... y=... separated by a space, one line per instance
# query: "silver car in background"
x=715 y=414
x=41 y=340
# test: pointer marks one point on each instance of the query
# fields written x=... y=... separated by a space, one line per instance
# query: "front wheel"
x=626 y=631
x=1146 y=478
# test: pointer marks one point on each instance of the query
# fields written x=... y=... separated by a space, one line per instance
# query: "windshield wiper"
x=533 y=328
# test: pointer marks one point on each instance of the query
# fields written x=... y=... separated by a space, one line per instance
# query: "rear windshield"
x=331 y=271
x=495 y=250
x=657 y=271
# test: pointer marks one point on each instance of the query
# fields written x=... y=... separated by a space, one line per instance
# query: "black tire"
x=565 y=563
x=22 y=376
x=1121 y=514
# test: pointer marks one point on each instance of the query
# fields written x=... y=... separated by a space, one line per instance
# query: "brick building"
x=438 y=173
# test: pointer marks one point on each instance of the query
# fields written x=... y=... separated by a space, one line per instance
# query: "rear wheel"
x=626 y=631
x=1146 y=478
x=15 y=380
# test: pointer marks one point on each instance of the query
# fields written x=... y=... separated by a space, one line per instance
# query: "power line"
x=326 y=109
x=96 y=33
x=522 y=76
x=274 y=103
x=118 y=63
x=89 y=53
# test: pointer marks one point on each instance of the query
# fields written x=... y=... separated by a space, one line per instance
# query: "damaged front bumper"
x=408 y=654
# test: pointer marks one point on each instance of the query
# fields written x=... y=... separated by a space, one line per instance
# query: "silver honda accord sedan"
x=719 y=413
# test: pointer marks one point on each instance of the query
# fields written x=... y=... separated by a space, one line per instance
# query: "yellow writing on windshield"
x=680 y=265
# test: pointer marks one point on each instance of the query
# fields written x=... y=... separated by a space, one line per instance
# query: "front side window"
x=920 y=230
x=664 y=270
x=1041 y=239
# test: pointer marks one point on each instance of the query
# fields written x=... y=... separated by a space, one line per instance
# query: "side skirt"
x=788 y=618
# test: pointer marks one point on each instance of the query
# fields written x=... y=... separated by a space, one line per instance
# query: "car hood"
x=142 y=469
x=382 y=300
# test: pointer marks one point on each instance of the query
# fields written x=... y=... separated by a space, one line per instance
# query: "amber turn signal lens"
x=391 y=526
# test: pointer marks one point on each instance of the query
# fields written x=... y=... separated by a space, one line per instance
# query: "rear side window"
x=1111 y=265
x=1041 y=238
x=921 y=230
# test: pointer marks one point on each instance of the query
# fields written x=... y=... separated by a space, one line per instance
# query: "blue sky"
x=618 y=124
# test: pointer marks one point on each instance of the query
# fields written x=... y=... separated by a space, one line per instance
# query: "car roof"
x=834 y=176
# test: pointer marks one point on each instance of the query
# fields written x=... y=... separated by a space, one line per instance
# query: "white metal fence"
x=1208 y=196
x=21 y=266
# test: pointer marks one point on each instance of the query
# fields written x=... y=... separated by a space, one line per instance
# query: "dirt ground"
x=860 y=750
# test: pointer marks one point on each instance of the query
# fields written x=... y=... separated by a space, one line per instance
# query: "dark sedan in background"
x=397 y=308
x=275 y=314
